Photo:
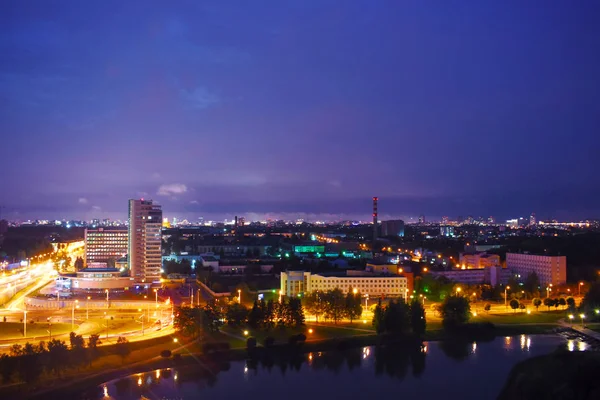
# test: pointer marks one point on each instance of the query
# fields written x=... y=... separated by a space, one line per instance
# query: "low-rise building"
x=490 y=275
x=105 y=244
x=549 y=269
x=294 y=283
x=479 y=260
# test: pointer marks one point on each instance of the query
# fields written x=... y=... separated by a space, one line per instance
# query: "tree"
x=212 y=316
x=296 y=312
x=58 y=355
x=514 y=304
x=455 y=311
x=336 y=305
x=591 y=300
x=255 y=317
x=417 y=318
x=315 y=304
x=236 y=314
x=532 y=283
x=548 y=302
x=77 y=349
x=188 y=321
x=487 y=307
x=78 y=263
x=522 y=306
x=396 y=317
x=378 y=314
x=570 y=302
x=122 y=348
x=269 y=315
x=537 y=302
x=93 y=342
x=353 y=306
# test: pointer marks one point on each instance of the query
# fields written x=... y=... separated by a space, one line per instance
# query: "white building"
x=294 y=283
x=145 y=258
x=549 y=269
x=492 y=275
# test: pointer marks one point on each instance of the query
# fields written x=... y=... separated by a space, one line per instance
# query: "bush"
x=487 y=307
x=250 y=343
x=301 y=337
x=208 y=348
x=165 y=353
x=269 y=341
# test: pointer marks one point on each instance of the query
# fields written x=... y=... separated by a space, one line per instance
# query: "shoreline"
x=90 y=383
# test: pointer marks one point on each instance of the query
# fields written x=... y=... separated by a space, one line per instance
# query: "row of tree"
x=398 y=317
x=27 y=363
x=334 y=305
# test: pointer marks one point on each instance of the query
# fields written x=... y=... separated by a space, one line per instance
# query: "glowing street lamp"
x=87 y=309
x=107 y=299
x=458 y=290
x=579 y=287
x=354 y=291
x=24 y=323
x=73 y=315
x=571 y=316
x=366 y=301
x=582 y=316
x=505 y=296
x=240 y=296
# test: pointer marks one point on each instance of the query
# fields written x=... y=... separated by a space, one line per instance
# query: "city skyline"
x=305 y=109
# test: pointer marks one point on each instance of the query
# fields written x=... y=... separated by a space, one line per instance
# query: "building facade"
x=145 y=258
x=105 y=245
x=493 y=275
x=478 y=260
x=392 y=228
x=549 y=269
x=294 y=283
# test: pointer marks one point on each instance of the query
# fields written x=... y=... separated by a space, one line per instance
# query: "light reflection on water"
x=385 y=363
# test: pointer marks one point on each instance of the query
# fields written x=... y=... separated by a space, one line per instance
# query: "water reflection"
x=396 y=362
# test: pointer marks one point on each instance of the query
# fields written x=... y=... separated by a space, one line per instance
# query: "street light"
x=355 y=290
x=240 y=296
x=458 y=290
x=156 y=299
x=548 y=290
x=24 y=323
x=366 y=301
x=87 y=309
x=107 y=300
x=580 y=285
x=505 y=296
x=73 y=315
x=571 y=318
x=582 y=316
x=49 y=327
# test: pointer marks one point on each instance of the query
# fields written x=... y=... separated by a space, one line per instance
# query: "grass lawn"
x=14 y=330
x=536 y=317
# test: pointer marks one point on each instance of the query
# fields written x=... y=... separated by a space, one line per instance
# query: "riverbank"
x=561 y=375
x=192 y=354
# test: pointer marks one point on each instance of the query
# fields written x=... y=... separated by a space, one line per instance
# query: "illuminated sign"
x=309 y=249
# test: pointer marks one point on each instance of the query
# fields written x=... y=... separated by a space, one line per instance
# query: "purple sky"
x=308 y=107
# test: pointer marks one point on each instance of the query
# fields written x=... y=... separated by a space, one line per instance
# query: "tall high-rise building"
x=105 y=245
x=375 y=200
x=532 y=220
x=145 y=258
x=445 y=220
x=421 y=219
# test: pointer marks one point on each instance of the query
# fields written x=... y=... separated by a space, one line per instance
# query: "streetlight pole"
x=580 y=285
x=24 y=323
x=156 y=299
x=106 y=318
x=73 y=315
x=367 y=301
x=582 y=316
x=87 y=309
x=506 y=296
x=107 y=300
x=240 y=296
x=49 y=327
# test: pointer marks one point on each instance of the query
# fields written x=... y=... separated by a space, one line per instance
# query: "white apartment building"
x=105 y=244
x=549 y=269
x=145 y=258
x=294 y=283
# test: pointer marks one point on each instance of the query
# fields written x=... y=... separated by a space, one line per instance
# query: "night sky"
x=300 y=108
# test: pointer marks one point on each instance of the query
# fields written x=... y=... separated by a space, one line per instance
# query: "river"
x=451 y=370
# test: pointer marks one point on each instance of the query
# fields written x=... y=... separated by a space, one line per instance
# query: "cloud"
x=198 y=98
x=96 y=208
x=194 y=202
x=171 y=189
x=82 y=200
